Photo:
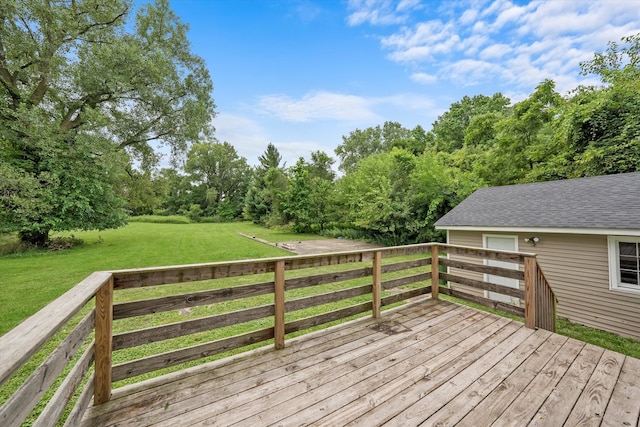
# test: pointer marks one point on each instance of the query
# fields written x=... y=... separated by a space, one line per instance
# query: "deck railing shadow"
x=80 y=324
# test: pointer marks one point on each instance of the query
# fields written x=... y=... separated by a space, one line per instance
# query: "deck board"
x=430 y=363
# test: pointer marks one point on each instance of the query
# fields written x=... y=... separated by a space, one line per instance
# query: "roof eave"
x=554 y=230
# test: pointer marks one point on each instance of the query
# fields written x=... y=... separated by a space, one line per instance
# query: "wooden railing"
x=78 y=337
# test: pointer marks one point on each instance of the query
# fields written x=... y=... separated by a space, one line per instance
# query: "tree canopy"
x=88 y=94
x=84 y=91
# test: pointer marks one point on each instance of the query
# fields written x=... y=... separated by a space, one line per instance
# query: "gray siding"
x=577 y=269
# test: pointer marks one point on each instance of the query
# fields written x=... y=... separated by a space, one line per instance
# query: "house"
x=585 y=231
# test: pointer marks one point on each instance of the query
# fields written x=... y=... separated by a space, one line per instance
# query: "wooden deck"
x=431 y=363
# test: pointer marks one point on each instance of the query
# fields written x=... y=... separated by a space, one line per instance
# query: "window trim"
x=614 y=264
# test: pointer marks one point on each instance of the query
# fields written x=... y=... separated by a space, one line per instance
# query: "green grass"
x=44 y=275
x=159 y=219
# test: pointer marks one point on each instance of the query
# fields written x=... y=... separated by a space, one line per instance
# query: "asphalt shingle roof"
x=611 y=202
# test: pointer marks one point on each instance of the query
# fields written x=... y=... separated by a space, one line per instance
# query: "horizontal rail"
x=486 y=286
x=493 y=254
x=486 y=302
x=22 y=342
x=485 y=269
x=180 y=329
x=175 y=302
x=177 y=357
x=381 y=283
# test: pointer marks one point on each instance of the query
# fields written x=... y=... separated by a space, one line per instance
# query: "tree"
x=268 y=186
x=308 y=202
x=449 y=129
x=78 y=85
x=320 y=166
x=270 y=159
x=601 y=126
x=524 y=140
x=223 y=175
x=361 y=144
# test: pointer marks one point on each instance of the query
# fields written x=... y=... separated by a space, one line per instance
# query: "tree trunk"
x=34 y=238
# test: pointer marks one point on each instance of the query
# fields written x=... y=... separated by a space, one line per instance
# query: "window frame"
x=615 y=283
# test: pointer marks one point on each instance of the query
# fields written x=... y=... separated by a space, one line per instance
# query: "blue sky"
x=302 y=73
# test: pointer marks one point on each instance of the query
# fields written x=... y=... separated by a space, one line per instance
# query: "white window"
x=624 y=263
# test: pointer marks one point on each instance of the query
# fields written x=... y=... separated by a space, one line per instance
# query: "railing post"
x=435 y=272
x=377 y=284
x=530 y=273
x=278 y=332
x=103 y=343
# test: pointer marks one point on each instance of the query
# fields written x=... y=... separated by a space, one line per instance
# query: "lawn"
x=31 y=280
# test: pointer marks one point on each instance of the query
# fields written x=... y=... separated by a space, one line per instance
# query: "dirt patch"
x=306 y=247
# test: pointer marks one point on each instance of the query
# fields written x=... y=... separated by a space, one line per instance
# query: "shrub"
x=157 y=219
x=194 y=213
x=62 y=243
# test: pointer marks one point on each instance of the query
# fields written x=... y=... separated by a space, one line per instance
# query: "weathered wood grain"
x=278 y=305
x=592 y=404
x=103 y=343
x=479 y=284
x=194 y=299
x=407 y=280
x=516 y=257
x=399 y=370
x=485 y=269
x=558 y=405
x=80 y=408
x=321 y=279
x=456 y=409
x=309 y=322
x=496 y=403
x=226 y=381
x=435 y=272
x=136 y=278
x=527 y=403
x=624 y=406
x=428 y=362
x=496 y=305
x=420 y=408
x=319 y=377
x=20 y=404
x=531 y=290
x=179 y=329
x=315 y=300
x=405 y=295
x=376 y=291
x=55 y=407
x=176 y=357
x=22 y=342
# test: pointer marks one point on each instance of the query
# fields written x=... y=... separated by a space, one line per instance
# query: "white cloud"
x=469 y=16
x=245 y=134
x=379 y=12
x=495 y=51
x=424 y=78
x=318 y=106
x=426 y=40
x=508 y=42
x=469 y=72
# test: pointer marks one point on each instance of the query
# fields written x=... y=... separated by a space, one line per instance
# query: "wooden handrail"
x=20 y=344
